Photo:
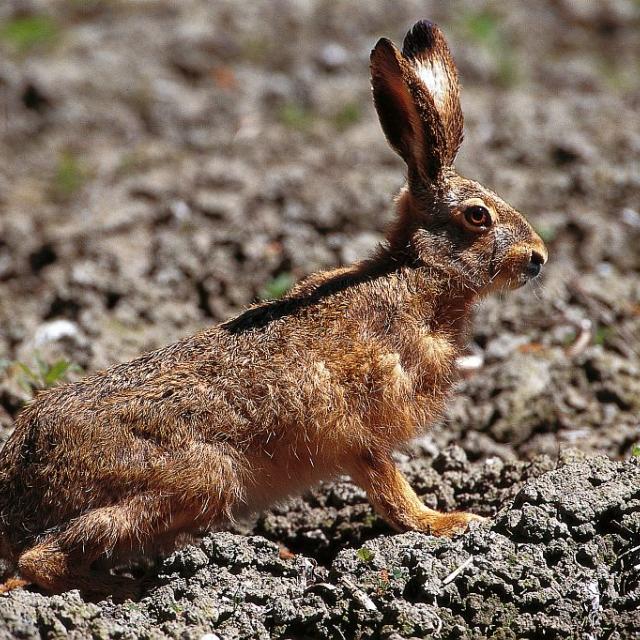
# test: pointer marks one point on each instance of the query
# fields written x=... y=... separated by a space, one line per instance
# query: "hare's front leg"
x=395 y=501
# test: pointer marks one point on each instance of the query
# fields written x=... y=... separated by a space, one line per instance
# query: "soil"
x=164 y=164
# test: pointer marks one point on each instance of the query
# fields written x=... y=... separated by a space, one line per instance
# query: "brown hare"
x=347 y=367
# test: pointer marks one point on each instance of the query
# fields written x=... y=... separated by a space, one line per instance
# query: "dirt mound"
x=559 y=560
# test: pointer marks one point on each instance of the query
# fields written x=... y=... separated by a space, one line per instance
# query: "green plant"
x=369 y=519
x=43 y=375
x=29 y=32
x=635 y=450
x=483 y=25
x=296 y=116
x=365 y=555
x=601 y=335
x=381 y=582
x=396 y=574
x=348 y=115
x=69 y=176
x=277 y=287
x=485 y=28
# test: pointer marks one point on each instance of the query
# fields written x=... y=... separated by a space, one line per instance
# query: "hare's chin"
x=510 y=283
x=524 y=280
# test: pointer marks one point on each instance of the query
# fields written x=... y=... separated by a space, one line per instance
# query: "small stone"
x=54 y=331
x=452 y=458
x=333 y=56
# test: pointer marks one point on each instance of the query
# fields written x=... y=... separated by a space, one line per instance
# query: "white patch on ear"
x=434 y=75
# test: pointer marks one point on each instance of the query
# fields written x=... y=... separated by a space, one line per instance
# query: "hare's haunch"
x=350 y=365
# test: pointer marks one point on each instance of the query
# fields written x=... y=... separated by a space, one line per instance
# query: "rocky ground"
x=164 y=164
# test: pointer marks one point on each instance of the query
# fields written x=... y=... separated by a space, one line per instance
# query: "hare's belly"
x=273 y=480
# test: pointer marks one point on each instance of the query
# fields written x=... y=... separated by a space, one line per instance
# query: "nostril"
x=537 y=258
x=535 y=264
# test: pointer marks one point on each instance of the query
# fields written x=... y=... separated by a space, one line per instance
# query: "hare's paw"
x=13 y=583
x=449 y=524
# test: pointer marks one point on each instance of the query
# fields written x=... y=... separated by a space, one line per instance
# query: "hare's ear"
x=426 y=50
x=416 y=96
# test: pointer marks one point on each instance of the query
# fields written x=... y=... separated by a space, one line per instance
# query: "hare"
x=348 y=366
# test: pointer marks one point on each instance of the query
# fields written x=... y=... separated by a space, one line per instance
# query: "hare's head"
x=444 y=218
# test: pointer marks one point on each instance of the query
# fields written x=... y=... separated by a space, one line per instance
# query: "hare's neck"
x=436 y=298
x=444 y=305
x=416 y=317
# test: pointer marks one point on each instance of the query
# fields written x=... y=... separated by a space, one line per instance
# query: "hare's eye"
x=477 y=216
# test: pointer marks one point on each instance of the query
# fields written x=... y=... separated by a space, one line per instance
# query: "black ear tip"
x=421 y=37
x=425 y=25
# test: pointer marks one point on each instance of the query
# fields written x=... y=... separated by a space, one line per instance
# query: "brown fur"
x=349 y=366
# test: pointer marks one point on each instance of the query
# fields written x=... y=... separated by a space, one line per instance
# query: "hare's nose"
x=535 y=264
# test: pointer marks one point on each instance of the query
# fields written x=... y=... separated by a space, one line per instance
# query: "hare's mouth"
x=520 y=270
x=532 y=268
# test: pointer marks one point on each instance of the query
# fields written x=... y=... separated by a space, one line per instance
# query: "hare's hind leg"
x=63 y=561
x=56 y=569
x=187 y=494
x=8 y=578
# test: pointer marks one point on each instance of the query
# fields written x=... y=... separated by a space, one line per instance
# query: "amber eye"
x=477 y=216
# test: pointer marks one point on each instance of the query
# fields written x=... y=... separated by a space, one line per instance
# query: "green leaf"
x=365 y=555
x=486 y=28
x=69 y=176
x=29 y=32
x=296 y=116
x=348 y=115
x=26 y=386
x=57 y=371
x=602 y=334
x=43 y=367
x=44 y=375
x=635 y=450
x=28 y=372
x=277 y=287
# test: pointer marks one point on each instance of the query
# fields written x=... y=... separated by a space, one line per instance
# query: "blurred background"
x=163 y=164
